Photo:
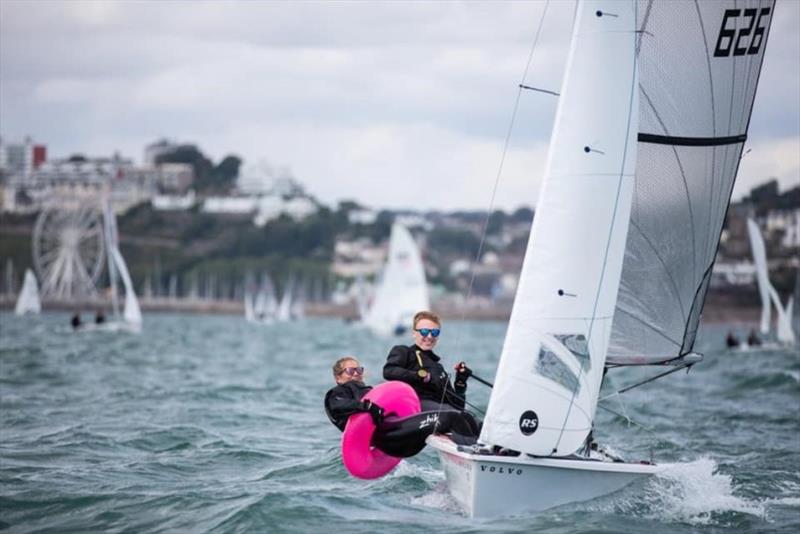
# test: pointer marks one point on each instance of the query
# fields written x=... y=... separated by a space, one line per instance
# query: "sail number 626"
x=750 y=34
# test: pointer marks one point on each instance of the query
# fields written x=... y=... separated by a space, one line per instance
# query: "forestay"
x=699 y=64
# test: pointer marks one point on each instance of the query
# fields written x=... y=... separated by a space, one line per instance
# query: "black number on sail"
x=729 y=40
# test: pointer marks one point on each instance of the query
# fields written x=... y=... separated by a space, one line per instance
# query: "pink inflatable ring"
x=359 y=457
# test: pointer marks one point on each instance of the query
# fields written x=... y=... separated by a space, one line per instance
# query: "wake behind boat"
x=640 y=170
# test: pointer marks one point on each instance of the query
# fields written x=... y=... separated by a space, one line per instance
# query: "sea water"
x=212 y=424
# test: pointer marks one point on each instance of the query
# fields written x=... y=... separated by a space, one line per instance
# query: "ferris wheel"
x=69 y=251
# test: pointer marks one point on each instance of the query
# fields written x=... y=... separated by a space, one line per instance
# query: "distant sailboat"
x=291 y=306
x=769 y=296
x=130 y=319
x=403 y=289
x=28 y=300
x=262 y=306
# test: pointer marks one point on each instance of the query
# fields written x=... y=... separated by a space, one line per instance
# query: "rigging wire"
x=521 y=86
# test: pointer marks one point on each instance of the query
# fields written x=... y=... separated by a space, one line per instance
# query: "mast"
x=551 y=367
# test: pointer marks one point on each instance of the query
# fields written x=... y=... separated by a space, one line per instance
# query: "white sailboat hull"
x=486 y=485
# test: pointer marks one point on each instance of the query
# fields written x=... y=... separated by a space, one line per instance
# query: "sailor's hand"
x=424 y=376
x=375 y=411
x=462 y=369
x=462 y=374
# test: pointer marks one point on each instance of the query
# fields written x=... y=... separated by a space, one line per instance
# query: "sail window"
x=550 y=366
x=578 y=345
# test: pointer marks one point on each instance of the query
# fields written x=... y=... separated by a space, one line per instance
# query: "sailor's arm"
x=341 y=404
x=397 y=366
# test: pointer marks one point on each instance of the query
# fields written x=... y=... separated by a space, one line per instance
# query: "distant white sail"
x=28 y=300
x=759 y=251
x=284 y=312
x=132 y=313
x=403 y=289
x=362 y=300
x=249 y=314
x=298 y=308
x=784 y=331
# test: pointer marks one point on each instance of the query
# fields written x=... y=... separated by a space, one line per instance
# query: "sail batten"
x=691 y=141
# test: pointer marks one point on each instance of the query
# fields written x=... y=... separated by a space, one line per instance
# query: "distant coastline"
x=716 y=311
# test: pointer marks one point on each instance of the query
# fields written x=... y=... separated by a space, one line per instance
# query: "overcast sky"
x=394 y=104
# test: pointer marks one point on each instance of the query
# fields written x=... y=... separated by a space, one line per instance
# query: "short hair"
x=425 y=314
x=338 y=367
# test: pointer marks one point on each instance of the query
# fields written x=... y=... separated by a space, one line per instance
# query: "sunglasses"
x=425 y=332
x=350 y=371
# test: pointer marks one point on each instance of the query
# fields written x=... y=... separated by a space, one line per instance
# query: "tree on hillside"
x=226 y=173
x=203 y=168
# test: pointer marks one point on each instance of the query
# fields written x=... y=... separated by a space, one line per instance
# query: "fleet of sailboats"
x=263 y=307
x=651 y=121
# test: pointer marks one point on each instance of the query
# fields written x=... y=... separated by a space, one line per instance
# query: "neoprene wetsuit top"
x=344 y=400
x=404 y=364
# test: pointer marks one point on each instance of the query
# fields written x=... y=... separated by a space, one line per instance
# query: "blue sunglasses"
x=425 y=332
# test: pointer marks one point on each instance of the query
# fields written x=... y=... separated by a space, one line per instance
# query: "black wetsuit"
x=404 y=364
x=438 y=395
x=396 y=437
x=344 y=400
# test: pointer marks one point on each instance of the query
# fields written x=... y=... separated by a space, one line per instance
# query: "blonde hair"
x=425 y=314
x=338 y=366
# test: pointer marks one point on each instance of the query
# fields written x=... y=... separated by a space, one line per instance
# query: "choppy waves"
x=210 y=424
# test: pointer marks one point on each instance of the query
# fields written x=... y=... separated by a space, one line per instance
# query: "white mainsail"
x=131 y=316
x=249 y=314
x=362 y=300
x=132 y=313
x=784 y=331
x=28 y=301
x=759 y=251
x=261 y=307
x=551 y=367
x=769 y=296
x=284 y=312
x=403 y=290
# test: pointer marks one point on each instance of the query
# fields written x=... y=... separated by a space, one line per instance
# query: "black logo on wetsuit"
x=528 y=422
x=432 y=418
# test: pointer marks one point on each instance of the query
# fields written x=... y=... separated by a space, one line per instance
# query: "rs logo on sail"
x=528 y=422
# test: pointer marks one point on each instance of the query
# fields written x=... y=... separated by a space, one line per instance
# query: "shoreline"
x=716 y=310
